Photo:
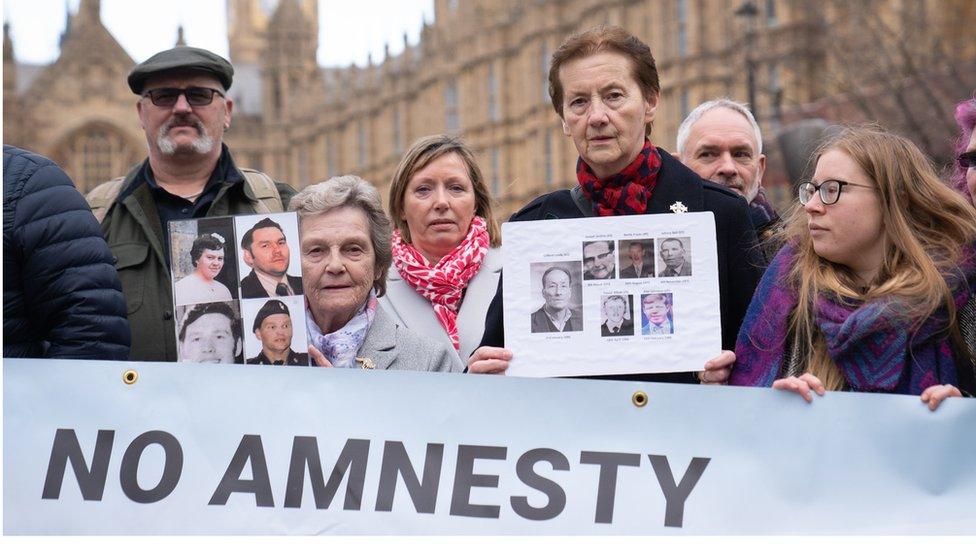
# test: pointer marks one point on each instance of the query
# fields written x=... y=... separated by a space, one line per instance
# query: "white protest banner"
x=611 y=295
x=255 y=450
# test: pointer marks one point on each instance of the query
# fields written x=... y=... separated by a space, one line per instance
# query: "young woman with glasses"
x=866 y=294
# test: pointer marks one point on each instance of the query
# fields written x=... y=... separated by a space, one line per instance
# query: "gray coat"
x=412 y=310
x=391 y=346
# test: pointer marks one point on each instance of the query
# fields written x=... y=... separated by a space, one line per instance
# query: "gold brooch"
x=678 y=208
x=366 y=363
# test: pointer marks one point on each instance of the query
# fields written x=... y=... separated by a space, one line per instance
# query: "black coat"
x=61 y=294
x=251 y=286
x=739 y=261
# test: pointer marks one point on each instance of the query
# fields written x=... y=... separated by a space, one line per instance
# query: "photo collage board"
x=611 y=295
x=237 y=290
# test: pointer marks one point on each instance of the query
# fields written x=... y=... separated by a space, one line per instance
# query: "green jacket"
x=135 y=237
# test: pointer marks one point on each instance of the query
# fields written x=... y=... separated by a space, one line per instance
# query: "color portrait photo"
x=657 y=316
x=636 y=258
x=274 y=331
x=269 y=259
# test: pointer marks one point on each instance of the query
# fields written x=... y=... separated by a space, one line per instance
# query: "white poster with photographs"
x=237 y=289
x=611 y=295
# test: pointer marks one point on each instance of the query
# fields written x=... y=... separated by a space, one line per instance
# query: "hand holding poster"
x=616 y=295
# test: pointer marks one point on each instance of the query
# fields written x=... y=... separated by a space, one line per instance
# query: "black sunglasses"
x=967 y=160
x=195 y=96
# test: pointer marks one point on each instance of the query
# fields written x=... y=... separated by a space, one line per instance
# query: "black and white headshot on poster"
x=559 y=285
x=209 y=333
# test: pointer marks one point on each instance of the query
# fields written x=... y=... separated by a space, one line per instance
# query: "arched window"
x=97 y=152
x=94 y=154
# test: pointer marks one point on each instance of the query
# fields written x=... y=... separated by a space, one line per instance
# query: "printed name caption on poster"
x=91 y=473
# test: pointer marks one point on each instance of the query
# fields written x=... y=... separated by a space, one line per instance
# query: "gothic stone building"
x=479 y=69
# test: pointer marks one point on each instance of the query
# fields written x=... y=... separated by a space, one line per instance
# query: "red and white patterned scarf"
x=443 y=284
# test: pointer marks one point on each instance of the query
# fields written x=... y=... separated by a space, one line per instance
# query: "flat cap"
x=270 y=307
x=183 y=58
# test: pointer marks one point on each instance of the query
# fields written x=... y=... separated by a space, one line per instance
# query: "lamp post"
x=748 y=12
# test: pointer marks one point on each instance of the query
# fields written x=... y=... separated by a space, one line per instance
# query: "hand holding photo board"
x=611 y=295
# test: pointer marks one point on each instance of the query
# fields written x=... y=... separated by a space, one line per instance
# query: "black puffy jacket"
x=61 y=294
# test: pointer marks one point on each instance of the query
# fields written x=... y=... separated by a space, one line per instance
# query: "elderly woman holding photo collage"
x=345 y=248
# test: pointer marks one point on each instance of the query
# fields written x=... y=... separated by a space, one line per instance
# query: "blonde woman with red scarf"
x=446 y=260
x=604 y=86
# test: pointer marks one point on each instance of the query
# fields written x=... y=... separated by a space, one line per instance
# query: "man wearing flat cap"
x=272 y=327
x=184 y=110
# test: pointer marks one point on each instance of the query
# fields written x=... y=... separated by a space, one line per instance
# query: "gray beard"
x=201 y=145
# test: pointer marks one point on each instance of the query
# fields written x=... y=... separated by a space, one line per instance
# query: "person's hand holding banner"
x=489 y=360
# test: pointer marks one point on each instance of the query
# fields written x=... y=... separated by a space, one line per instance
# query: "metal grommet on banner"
x=129 y=377
x=639 y=399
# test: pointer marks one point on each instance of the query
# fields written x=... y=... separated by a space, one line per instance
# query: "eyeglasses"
x=967 y=160
x=829 y=191
x=196 y=97
x=593 y=259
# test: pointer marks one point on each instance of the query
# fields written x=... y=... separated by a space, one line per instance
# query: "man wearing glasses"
x=184 y=110
x=599 y=261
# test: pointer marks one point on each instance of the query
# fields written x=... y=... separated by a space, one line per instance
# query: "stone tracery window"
x=94 y=154
x=97 y=151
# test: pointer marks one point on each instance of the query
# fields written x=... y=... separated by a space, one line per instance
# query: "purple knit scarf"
x=872 y=343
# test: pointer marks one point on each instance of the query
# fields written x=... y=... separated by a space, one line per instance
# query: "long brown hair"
x=925 y=225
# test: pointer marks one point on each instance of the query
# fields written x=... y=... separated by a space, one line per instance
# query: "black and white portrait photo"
x=676 y=256
x=617 y=313
x=209 y=333
x=599 y=260
x=637 y=258
x=559 y=286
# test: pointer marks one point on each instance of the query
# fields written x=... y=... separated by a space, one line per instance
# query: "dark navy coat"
x=61 y=294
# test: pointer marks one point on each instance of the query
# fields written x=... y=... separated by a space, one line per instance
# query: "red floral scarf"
x=627 y=192
x=443 y=284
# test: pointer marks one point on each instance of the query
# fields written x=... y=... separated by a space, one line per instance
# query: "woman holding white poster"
x=870 y=291
x=446 y=258
x=604 y=87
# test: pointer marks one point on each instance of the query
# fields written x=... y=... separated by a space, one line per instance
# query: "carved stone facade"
x=479 y=70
